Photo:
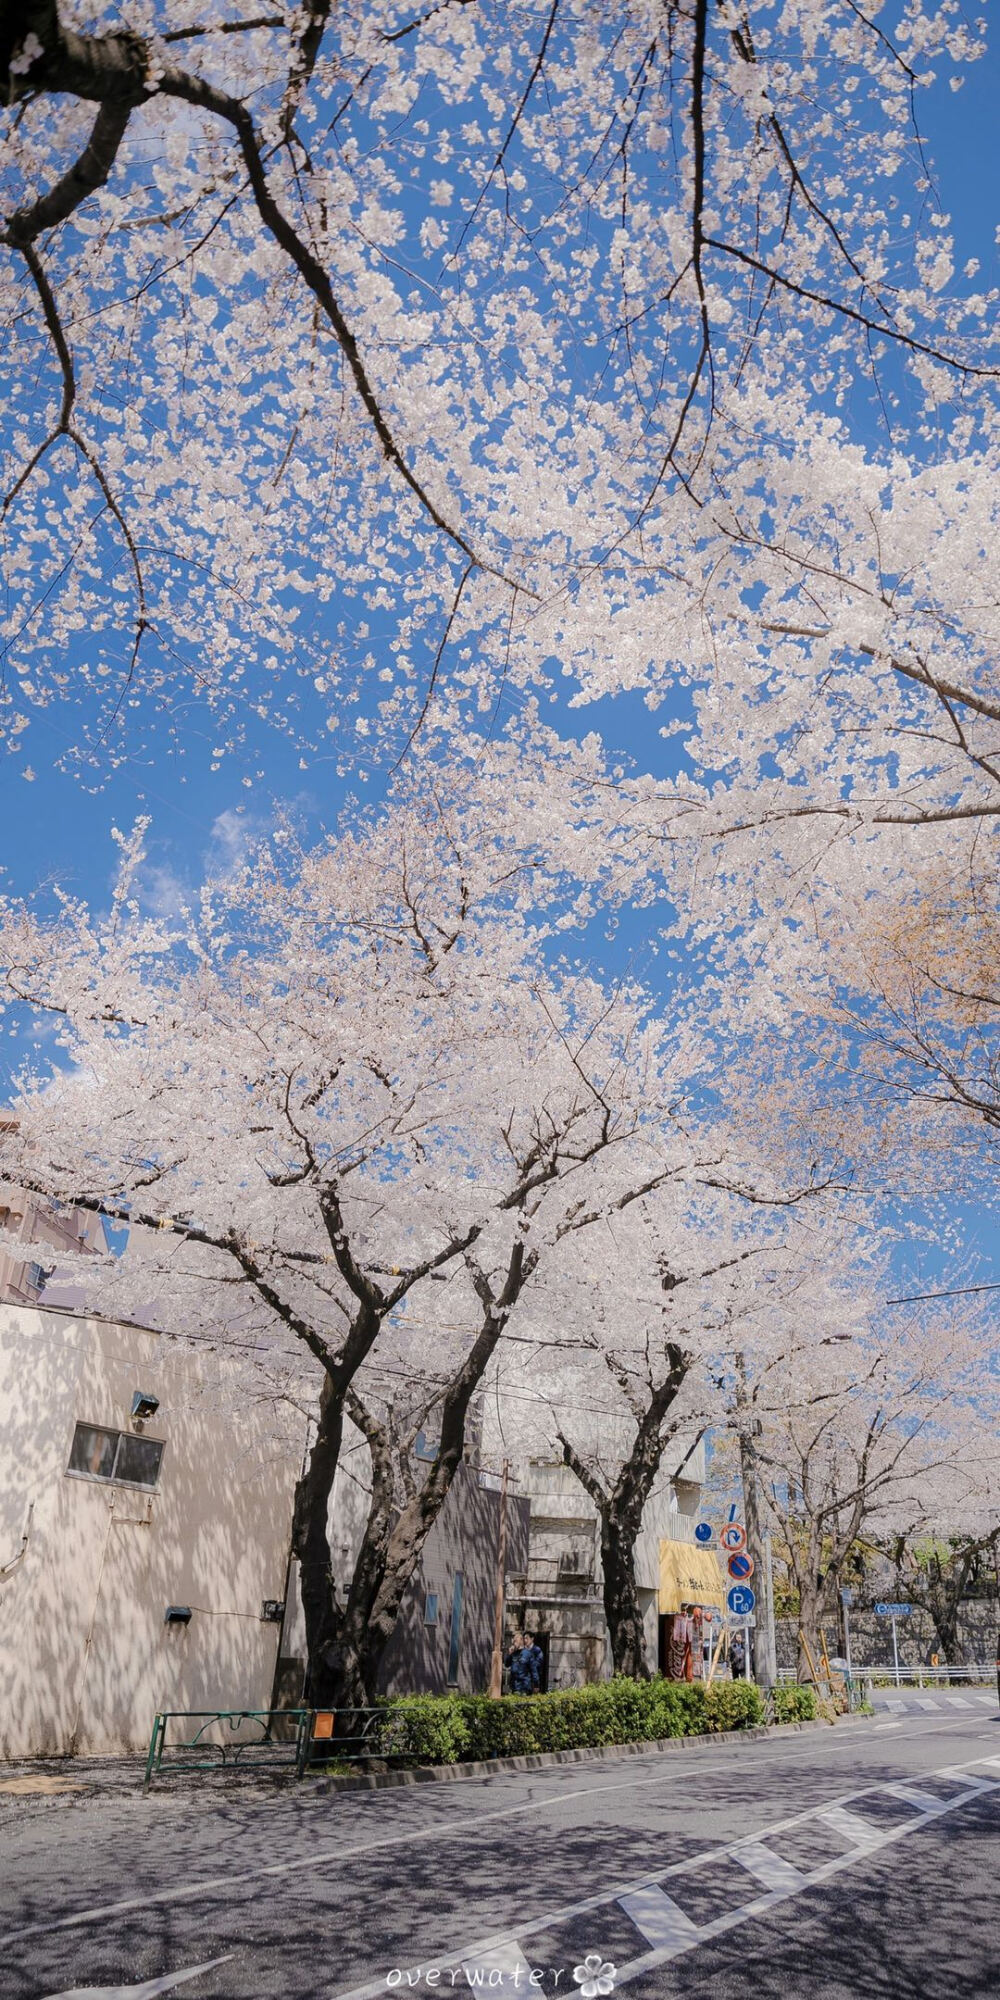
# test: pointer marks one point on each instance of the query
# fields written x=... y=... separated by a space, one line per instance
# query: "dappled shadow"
x=85 y=1656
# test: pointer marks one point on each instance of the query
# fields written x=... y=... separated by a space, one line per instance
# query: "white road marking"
x=925 y=1802
x=898 y=1707
x=926 y=1701
x=769 y=1868
x=958 y=1700
x=860 y=1832
x=472 y=1820
x=376 y=1989
x=764 y=1904
x=660 y=1920
x=147 y=1990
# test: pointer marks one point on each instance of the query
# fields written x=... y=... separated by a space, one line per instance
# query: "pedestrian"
x=737 y=1656
x=524 y=1664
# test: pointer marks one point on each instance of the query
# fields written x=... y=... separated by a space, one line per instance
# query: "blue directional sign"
x=893 y=1610
x=741 y=1600
x=704 y=1531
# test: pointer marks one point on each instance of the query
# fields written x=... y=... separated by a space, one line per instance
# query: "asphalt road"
x=860 y=1861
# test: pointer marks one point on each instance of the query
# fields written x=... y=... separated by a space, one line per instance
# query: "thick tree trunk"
x=311 y=1547
x=621 y=1596
x=357 y=1634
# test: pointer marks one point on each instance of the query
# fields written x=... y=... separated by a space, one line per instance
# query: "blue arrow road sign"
x=741 y=1600
x=893 y=1610
x=704 y=1531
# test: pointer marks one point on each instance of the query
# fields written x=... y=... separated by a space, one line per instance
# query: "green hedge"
x=793 y=1703
x=448 y=1729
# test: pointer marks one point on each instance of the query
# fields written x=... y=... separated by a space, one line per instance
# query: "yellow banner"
x=689 y=1575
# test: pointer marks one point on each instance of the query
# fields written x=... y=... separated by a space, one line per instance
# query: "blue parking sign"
x=741 y=1600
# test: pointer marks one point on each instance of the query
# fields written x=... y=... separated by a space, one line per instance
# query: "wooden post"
x=496 y=1669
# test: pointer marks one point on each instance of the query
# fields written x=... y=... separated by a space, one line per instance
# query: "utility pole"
x=496 y=1669
x=758 y=1542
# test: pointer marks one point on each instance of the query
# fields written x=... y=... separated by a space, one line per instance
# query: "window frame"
x=111 y=1478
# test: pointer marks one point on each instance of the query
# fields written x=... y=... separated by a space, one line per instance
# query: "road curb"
x=542 y=1760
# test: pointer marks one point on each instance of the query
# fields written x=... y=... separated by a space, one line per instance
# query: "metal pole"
x=758 y=1543
x=496 y=1667
x=847 y=1642
x=895 y=1651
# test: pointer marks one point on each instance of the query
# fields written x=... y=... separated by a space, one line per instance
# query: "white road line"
x=860 y=1832
x=926 y=1701
x=769 y=1868
x=925 y=1802
x=650 y=1960
x=660 y=1920
x=550 y=1918
x=958 y=1700
x=473 y=1819
x=898 y=1707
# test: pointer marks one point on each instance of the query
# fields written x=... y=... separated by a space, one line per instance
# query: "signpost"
x=733 y=1537
x=847 y=1599
x=704 y=1533
x=894 y=1611
x=741 y=1600
x=741 y=1567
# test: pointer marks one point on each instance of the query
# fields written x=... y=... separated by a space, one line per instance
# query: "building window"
x=431 y=1608
x=115 y=1455
x=36 y=1277
x=456 y=1631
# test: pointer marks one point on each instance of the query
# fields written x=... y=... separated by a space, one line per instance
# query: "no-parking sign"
x=741 y=1567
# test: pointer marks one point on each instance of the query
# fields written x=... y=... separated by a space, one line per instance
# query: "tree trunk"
x=393 y=1541
x=621 y=1595
x=311 y=1547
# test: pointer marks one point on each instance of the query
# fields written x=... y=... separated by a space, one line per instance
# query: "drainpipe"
x=8 y=1568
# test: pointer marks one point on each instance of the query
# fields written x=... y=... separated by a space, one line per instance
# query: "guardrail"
x=912 y=1676
x=248 y=1737
x=261 y=1738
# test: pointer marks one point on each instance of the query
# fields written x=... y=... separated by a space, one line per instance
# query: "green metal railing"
x=275 y=1738
x=297 y=1739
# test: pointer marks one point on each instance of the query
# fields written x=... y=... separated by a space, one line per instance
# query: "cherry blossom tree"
x=348 y=1074
x=510 y=336
x=846 y=1429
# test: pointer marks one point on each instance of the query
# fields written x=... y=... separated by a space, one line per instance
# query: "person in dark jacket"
x=524 y=1664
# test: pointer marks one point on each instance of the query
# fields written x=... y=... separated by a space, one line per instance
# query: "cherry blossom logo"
x=596 y=1976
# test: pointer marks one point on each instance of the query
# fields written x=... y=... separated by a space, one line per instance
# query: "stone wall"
x=871 y=1637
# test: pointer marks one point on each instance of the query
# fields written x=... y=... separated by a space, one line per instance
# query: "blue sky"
x=55 y=829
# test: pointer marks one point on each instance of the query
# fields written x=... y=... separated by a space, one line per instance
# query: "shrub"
x=794 y=1704
x=733 y=1705
x=428 y=1727
x=440 y=1729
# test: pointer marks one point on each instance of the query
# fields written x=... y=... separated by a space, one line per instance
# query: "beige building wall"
x=86 y=1659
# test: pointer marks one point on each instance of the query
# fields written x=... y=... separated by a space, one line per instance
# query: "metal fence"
x=218 y=1739
x=296 y=1739
x=887 y=1676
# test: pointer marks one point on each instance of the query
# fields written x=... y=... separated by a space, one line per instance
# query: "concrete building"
x=109 y=1517
x=558 y=1595
x=49 y=1233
